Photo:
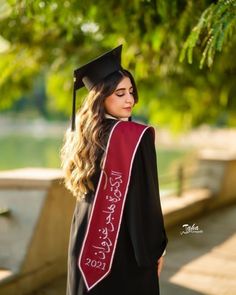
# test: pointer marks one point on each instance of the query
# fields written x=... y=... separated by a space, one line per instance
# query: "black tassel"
x=73 y=108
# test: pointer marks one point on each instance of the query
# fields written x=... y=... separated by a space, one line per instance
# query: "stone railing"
x=215 y=188
x=36 y=212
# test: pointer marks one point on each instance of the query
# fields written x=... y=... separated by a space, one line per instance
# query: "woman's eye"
x=120 y=94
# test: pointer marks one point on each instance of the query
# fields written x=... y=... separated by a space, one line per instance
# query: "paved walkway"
x=196 y=263
x=202 y=263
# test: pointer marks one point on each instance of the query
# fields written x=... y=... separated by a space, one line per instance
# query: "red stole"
x=100 y=240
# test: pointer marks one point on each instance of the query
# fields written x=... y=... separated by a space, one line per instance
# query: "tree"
x=215 y=27
x=54 y=37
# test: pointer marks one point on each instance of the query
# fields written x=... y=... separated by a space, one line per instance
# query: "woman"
x=127 y=239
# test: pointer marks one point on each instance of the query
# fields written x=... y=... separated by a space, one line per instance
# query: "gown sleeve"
x=143 y=211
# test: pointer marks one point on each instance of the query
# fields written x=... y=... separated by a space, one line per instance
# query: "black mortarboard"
x=94 y=72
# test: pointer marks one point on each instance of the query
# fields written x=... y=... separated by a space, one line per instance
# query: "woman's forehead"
x=125 y=83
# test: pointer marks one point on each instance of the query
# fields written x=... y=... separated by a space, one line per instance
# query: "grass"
x=18 y=151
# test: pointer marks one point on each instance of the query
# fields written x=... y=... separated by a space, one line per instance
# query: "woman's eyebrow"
x=123 y=88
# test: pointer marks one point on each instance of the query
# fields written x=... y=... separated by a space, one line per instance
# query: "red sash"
x=100 y=241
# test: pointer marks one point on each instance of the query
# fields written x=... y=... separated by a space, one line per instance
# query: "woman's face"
x=121 y=101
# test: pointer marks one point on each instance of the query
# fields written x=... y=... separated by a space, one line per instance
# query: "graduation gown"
x=142 y=237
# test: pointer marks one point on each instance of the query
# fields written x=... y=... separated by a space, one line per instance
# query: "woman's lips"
x=128 y=108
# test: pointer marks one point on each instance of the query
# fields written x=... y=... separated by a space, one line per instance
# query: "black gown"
x=142 y=238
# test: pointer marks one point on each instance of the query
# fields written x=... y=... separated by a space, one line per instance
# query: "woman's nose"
x=129 y=97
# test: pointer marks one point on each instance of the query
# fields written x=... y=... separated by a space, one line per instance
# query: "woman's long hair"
x=83 y=147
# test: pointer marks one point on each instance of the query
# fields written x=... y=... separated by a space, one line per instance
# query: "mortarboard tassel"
x=73 y=107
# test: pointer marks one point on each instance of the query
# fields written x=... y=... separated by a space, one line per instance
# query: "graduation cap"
x=94 y=72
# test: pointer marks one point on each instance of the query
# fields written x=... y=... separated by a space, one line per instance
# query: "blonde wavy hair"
x=83 y=147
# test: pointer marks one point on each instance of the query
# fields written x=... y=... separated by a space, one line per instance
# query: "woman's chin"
x=126 y=114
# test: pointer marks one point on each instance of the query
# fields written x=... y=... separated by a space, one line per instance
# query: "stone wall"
x=34 y=230
x=36 y=212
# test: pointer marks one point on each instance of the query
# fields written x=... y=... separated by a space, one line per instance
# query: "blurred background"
x=180 y=52
x=182 y=55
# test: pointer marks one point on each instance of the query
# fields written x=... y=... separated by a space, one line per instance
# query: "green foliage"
x=52 y=38
x=46 y=149
x=215 y=27
x=17 y=73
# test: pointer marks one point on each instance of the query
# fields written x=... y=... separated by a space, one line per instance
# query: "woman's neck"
x=116 y=118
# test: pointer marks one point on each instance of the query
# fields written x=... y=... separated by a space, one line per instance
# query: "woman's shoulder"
x=132 y=125
x=147 y=131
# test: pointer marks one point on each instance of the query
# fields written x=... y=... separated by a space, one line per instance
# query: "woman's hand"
x=160 y=264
